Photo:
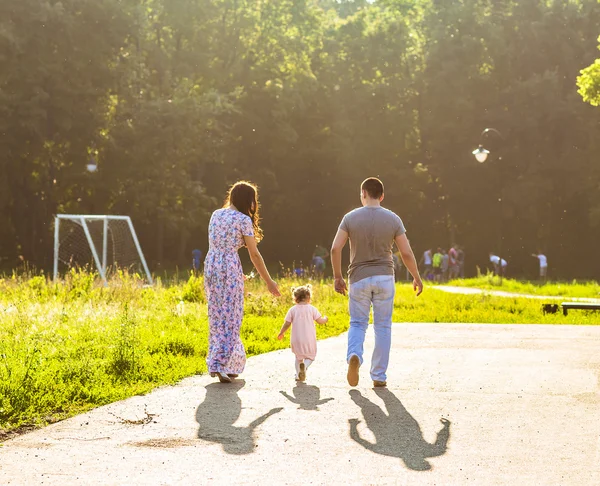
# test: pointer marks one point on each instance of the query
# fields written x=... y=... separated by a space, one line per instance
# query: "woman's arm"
x=260 y=266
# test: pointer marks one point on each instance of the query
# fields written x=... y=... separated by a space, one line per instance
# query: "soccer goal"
x=100 y=241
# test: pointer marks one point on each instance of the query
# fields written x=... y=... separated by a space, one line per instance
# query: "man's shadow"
x=307 y=396
x=397 y=433
x=219 y=411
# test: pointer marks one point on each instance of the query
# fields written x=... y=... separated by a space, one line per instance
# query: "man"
x=437 y=265
x=372 y=231
x=495 y=259
x=453 y=264
x=196 y=261
x=461 y=261
x=543 y=264
x=445 y=265
x=426 y=261
x=318 y=261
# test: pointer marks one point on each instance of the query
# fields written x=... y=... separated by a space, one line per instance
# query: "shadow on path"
x=219 y=411
x=397 y=433
x=307 y=396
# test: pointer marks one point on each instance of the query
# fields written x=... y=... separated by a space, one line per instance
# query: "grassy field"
x=559 y=289
x=68 y=347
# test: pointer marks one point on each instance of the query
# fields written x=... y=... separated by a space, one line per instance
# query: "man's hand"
x=340 y=286
x=418 y=286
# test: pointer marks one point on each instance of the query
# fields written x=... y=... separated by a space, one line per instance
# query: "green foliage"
x=177 y=99
x=589 y=83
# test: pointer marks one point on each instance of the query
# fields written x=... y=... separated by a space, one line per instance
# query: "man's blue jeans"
x=377 y=291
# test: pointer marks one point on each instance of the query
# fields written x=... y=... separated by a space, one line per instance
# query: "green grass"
x=72 y=346
x=558 y=289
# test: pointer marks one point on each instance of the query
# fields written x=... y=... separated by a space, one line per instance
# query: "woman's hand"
x=280 y=336
x=273 y=288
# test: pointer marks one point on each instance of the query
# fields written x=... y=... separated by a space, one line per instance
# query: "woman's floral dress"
x=224 y=284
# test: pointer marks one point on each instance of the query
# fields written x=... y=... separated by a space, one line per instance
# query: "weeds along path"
x=66 y=348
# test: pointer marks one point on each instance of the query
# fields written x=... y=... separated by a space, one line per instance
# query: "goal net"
x=105 y=243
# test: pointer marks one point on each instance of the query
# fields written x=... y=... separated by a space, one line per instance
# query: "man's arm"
x=339 y=242
x=408 y=258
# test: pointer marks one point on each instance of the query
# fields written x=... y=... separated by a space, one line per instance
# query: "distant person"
x=427 y=262
x=299 y=271
x=437 y=265
x=196 y=261
x=461 y=261
x=543 y=264
x=499 y=266
x=445 y=265
x=301 y=318
x=452 y=263
x=372 y=231
x=230 y=228
x=318 y=266
x=318 y=260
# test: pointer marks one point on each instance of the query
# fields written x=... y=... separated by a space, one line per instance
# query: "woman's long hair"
x=244 y=196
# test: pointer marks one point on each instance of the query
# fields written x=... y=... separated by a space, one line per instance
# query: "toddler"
x=301 y=318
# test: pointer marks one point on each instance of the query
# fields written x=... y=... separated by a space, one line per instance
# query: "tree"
x=589 y=83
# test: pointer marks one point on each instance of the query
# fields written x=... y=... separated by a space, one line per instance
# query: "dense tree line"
x=176 y=99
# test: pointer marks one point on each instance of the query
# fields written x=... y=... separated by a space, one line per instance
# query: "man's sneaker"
x=353 y=366
x=377 y=383
x=302 y=373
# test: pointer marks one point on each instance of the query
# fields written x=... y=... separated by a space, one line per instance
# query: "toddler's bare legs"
x=308 y=362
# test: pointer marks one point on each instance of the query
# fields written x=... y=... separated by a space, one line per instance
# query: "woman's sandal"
x=223 y=378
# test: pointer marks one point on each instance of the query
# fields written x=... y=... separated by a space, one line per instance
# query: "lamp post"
x=92 y=165
x=481 y=155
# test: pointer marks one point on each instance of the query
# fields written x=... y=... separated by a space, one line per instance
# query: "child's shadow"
x=307 y=396
x=219 y=411
x=397 y=433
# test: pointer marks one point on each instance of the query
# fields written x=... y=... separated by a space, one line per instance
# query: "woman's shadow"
x=219 y=411
x=397 y=433
x=308 y=397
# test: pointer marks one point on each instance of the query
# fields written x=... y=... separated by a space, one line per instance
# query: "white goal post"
x=98 y=240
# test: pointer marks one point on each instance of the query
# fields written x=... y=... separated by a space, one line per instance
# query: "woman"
x=230 y=228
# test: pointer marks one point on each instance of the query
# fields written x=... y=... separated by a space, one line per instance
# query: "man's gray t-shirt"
x=372 y=231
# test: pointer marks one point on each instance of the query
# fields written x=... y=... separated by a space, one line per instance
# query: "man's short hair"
x=373 y=186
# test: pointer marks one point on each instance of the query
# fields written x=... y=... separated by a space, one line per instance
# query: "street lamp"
x=92 y=165
x=481 y=154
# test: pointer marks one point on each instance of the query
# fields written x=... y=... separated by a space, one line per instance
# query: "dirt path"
x=500 y=293
x=519 y=405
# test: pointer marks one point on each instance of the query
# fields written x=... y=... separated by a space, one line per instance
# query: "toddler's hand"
x=326 y=319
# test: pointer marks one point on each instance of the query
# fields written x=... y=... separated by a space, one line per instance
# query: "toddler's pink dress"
x=304 y=333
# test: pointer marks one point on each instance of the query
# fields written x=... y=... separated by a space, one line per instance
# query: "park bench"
x=566 y=306
x=579 y=305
